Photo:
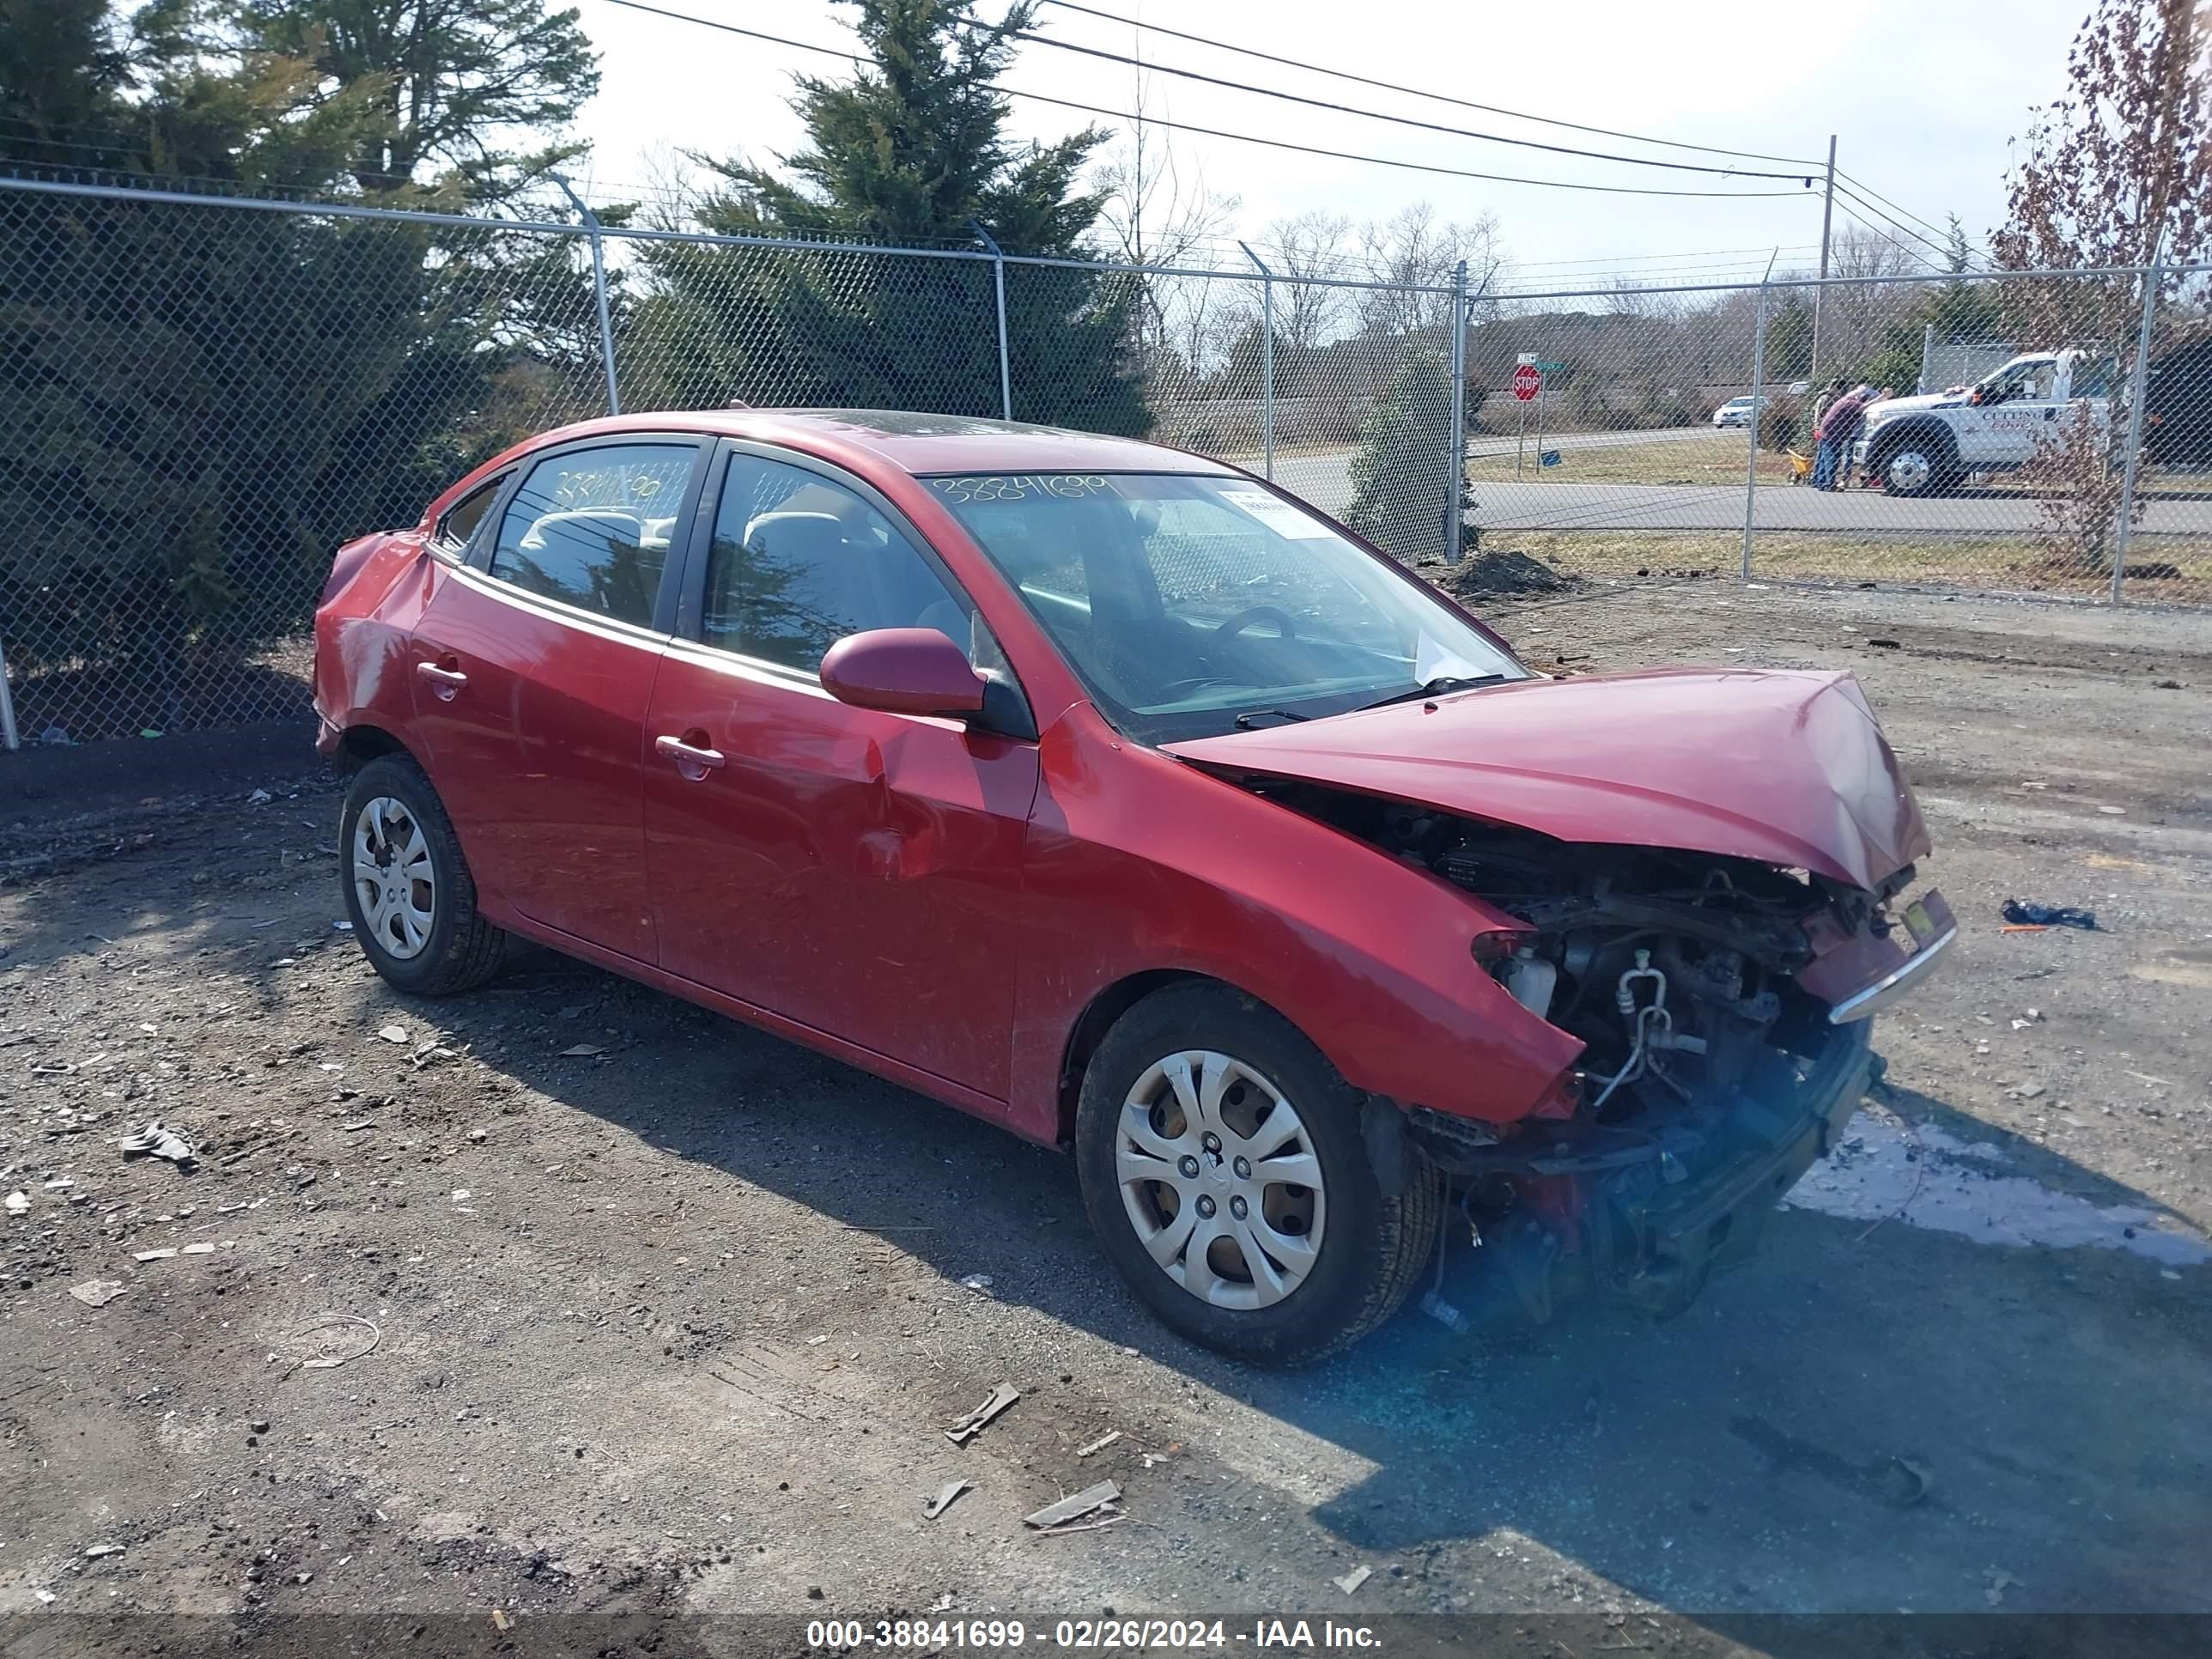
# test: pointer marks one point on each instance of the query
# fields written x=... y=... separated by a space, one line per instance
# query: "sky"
x=1924 y=96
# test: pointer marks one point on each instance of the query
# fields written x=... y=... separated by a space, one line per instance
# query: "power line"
x=1378 y=115
x=1941 y=250
x=1870 y=191
x=1634 y=258
x=1416 y=92
x=1880 y=235
x=1217 y=132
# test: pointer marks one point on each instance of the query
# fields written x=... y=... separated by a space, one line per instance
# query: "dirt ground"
x=674 y=1326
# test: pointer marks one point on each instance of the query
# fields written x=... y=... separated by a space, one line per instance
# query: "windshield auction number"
x=1020 y=487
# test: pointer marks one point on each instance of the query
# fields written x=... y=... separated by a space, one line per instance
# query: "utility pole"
x=1827 y=218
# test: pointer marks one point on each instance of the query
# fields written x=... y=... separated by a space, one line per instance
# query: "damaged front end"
x=1725 y=1007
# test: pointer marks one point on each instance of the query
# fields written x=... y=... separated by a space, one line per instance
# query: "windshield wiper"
x=1436 y=687
x=1243 y=721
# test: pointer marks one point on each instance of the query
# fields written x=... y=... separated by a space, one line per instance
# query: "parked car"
x=1115 y=795
x=1736 y=411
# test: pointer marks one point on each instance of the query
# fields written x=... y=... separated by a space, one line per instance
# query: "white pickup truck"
x=1925 y=446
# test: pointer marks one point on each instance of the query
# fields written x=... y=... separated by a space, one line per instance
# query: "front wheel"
x=408 y=890
x=1222 y=1167
x=1916 y=469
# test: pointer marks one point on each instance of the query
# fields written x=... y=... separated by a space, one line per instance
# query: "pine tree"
x=448 y=81
x=1402 y=477
x=913 y=150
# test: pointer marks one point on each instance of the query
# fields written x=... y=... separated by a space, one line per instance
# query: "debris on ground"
x=2027 y=913
x=1887 y=645
x=946 y=1495
x=392 y=1033
x=99 y=1550
x=1100 y=1444
x=259 y=798
x=158 y=1139
x=1444 y=1313
x=583 y=1051
x=972 y=1425
x=1997 y=1581
x=1504 y=571
x=98 y=1292
x=500 y=1621
x=1088 y=1501
x=161 y=1255
x=976 y=1282
x=1352 y=1580
x=19 y=1203
x=330 y=1362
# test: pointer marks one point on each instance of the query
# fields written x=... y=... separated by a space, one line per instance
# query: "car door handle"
x=687 y=756
x=451 y=677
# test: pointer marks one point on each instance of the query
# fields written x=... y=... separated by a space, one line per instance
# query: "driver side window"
x=799 y=561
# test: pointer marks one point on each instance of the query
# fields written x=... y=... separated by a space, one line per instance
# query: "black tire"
x=1372 y=1247
x=461 y=949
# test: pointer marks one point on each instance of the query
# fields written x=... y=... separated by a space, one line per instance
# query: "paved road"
x=1665 y=435
x=1325 y=481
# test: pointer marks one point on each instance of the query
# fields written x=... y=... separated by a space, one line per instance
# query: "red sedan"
x=1109 y=792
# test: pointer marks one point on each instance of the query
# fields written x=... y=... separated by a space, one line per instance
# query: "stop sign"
x=1527 y=381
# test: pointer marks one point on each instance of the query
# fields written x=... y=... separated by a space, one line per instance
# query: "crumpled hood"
x=1787 y=768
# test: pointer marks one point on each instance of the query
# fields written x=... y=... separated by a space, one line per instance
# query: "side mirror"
x=903 y=671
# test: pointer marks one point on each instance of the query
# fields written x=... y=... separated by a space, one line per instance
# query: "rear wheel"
x=1222 y=1167
x=408 y=890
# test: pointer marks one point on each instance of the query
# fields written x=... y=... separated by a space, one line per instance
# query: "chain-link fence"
x=201 y=398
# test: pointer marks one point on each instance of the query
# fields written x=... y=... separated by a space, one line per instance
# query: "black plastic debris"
x=2027 y=913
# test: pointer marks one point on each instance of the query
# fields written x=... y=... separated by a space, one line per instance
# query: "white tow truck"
x=1926 y=445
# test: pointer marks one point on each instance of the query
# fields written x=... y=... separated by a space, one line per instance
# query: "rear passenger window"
x=799 y=561
x=591 y=528
x=461 y=521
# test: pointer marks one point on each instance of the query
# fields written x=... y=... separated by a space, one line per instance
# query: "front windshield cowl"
x=1187 y=602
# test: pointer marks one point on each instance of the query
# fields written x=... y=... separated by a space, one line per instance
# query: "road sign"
x=1527 y=357
x=1543 y=368
x=1527 y=382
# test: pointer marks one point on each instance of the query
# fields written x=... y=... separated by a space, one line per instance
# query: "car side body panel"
x=846 y=869
x=364 y=671
x=1138 y=863
x=537 y=755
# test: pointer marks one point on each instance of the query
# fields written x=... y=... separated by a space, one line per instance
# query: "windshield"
x=1183 y=602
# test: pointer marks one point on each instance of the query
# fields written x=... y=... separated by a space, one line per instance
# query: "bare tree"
x=1414 y=249
x=2119 y=173
x=1312 y=245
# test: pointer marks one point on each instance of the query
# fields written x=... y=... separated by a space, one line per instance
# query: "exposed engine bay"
x=1711 y=1078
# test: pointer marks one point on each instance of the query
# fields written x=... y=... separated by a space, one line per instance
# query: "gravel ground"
x=463 y=1319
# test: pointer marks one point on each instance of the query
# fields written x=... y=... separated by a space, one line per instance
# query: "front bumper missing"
x=1678 y=1236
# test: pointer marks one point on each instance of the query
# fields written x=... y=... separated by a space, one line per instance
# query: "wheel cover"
x=393 y=880
x=1219 y=1177
x=1909 y=470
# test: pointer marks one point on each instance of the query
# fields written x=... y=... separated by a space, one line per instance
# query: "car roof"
x=915 y=442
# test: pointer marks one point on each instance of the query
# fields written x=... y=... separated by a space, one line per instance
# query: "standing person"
x=1839 y=428
x=1824 y=453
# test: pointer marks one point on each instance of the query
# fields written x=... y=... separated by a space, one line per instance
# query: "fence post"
x=1266 y=362
x=999 y=281
x=2138 y=377
x=1758 y=390
x=599 y=289
x=1456 y=469
x=10 y=737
